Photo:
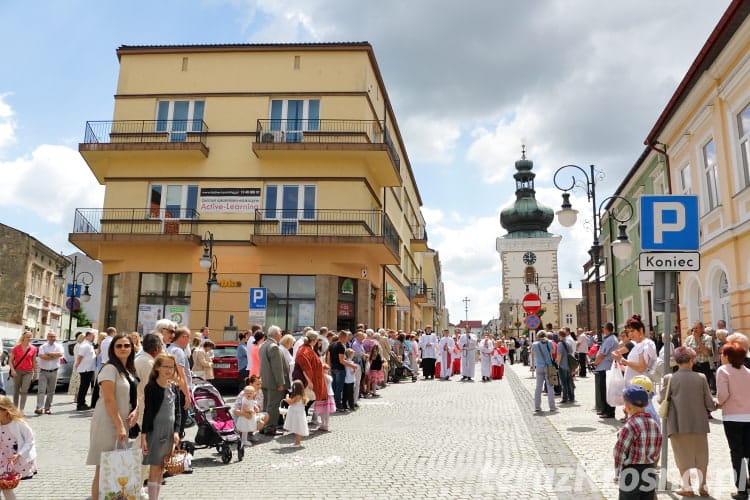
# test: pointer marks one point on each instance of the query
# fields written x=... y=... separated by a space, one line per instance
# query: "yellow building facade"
x=283 y=162
x=705 y=131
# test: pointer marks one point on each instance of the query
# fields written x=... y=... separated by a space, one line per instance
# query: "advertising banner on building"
x=229 y=200
x=179 y=314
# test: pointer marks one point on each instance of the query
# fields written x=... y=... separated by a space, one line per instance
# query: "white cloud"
x=7 y=124
x=51 y=182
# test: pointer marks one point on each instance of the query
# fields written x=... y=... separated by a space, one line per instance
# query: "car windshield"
x=228 y=351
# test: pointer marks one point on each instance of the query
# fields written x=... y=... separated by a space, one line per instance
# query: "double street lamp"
x=73 y=292
x=209 y=262
x=622 y=248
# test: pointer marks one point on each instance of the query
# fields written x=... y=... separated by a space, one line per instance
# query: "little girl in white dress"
x=296 y=418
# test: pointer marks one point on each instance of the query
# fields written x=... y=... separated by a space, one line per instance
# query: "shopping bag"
x=120 y=474
x=615 y=386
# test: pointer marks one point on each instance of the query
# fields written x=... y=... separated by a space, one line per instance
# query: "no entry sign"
x=531 y=303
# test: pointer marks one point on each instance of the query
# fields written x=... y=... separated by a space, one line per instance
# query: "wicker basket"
x=9 y=479
x=174 y=463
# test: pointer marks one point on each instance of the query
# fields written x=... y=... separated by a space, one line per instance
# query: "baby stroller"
x=401 y=368
x=215 y=423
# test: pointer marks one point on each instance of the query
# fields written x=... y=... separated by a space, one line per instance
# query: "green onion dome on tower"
x=526 y=218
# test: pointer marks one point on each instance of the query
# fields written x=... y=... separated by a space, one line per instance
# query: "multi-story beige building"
x=705 y=132
x=284 y=163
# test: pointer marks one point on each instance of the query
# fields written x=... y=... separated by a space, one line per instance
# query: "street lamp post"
x=621 y=248
x=209 y=262
x=73 y=291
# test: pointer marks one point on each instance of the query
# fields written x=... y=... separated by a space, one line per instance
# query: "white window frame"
x=744 y=149
x=686 y=183
x=710 y=178
x=163 y=202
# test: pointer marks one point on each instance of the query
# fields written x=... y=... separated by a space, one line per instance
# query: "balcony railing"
x=327 y=222
x=145 y=131
x=326 y=132
x=135 y=221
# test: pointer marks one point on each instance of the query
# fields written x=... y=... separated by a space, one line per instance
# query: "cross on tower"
x=466 y=301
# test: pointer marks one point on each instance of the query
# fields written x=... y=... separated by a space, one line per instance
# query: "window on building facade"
x=568 y=319
x=686 y=185
x=743 y=128
x=113 y=298
x=163 y=295
x=290 y=203
x=291 y=118
x=724 y=312
x=179 y=117
x=291 y=301
x=173 y=201
x=711 y=172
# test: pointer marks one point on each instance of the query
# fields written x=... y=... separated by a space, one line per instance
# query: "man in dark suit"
x=274 y=374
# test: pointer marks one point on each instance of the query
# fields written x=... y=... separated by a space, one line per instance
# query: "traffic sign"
x=669 y=261
x=72 y=304
x=531 y=303
x=258 y=298
x=669 y=223
x=257 y=317
x=532 y=321
x=73 y=293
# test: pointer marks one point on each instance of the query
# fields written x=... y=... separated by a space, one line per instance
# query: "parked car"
x=8 y=344
x=226 y=372
x=66 y=362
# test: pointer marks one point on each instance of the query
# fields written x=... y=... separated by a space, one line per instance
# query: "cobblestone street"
x=429 y=439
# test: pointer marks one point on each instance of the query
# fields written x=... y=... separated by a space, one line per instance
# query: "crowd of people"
x=705 y=372
x=141 y=388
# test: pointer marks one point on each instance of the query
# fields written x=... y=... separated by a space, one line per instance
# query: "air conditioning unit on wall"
x=272 y=136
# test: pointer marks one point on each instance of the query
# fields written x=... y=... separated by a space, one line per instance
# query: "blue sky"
x=469 y=83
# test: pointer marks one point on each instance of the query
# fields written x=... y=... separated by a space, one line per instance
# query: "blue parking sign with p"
x=669 y=223
x=258 y=298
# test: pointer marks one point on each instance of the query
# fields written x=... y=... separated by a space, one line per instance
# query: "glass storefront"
x=291 y=301
x=163 y=295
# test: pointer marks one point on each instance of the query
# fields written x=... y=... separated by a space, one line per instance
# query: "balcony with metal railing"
x=418 y=242
x=320 y=138
x=161 y=137
x=368 y=230
x=95 y=226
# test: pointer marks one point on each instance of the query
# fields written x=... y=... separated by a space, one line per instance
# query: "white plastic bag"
x=615 y=385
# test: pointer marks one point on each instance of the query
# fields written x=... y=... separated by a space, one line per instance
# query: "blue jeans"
x=338 y=386
x=566 y=382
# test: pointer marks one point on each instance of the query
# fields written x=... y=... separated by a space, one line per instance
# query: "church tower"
x=528 y=254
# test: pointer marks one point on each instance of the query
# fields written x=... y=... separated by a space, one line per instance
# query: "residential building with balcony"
x=287 y=160
x=705 y=132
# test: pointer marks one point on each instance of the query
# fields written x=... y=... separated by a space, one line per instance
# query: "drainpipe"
x=384 y=291
x=662 y=150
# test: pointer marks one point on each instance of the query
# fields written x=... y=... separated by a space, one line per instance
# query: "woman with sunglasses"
x=115 y=411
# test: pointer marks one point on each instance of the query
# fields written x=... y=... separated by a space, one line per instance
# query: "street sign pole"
x=670 y=306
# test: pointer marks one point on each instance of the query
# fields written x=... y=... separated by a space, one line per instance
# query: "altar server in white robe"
x=445 y=348
x=486 y=346
x=468 y=345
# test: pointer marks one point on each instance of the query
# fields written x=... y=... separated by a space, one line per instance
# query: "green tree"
x=80 y=316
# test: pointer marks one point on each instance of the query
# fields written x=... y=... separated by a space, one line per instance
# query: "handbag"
x=309 y=394
x=664 y=404
x=554 y=376
x=615 y=386
x=120 y=473
x=572 y=361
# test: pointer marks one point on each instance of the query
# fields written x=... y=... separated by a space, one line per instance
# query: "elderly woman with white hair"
x=689 y=398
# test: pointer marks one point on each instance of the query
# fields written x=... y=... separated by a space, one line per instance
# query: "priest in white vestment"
x=445 y=348
x=486 y=346
x=468 y=345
